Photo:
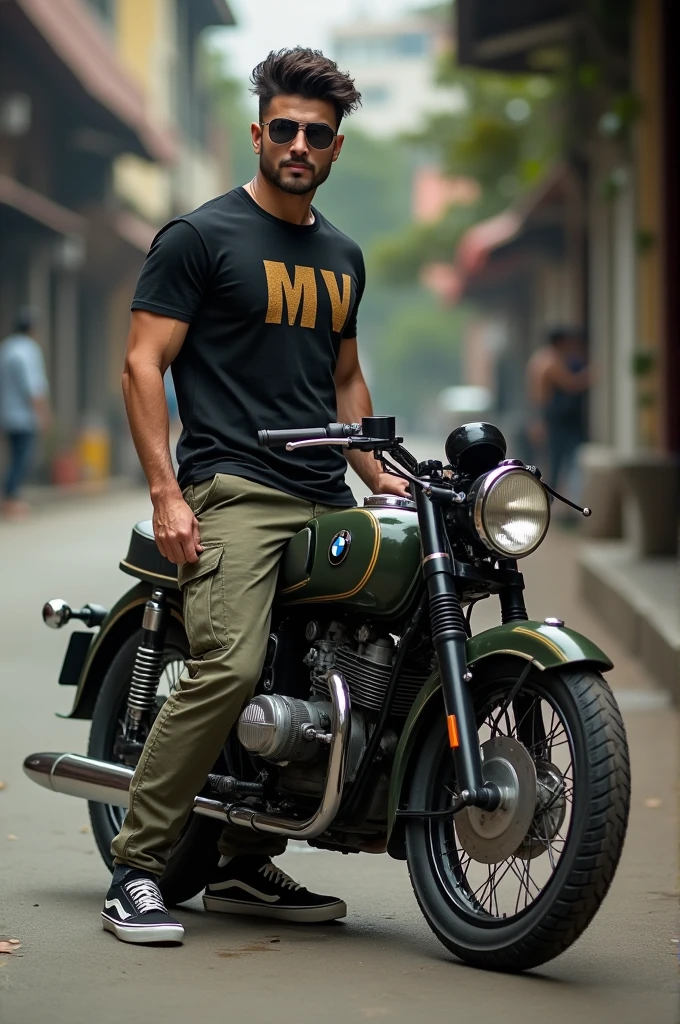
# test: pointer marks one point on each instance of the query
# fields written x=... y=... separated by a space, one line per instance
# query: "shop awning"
x=544 y=207
x=75 y=37
x=40 y=209
x=504 y=35
x=136 y=232
x=214 y=12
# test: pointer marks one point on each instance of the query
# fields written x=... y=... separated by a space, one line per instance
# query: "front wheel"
x=512 y=889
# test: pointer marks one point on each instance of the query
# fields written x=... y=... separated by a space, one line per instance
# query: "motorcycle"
x=495 y=763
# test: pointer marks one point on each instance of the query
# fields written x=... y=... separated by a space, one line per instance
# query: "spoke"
x=549 y=844
x=494 y=899
x=495 y=883
x=524 y=883
x=478 y=892
x=529 y=711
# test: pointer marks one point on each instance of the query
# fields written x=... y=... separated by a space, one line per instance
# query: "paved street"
x=382 y=962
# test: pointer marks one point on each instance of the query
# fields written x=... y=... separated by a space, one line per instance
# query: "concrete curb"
x=612 y=580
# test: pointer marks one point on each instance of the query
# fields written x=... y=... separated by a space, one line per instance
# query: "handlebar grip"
x=280 y=438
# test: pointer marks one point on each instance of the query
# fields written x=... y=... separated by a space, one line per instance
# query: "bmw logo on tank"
x=339 y=548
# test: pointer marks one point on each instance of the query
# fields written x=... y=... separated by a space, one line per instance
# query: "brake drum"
x=493 y=836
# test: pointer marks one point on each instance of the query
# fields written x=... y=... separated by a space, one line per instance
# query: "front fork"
x=449 y=635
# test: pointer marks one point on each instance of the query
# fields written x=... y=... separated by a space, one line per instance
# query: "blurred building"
x=394 y=64
x=598 y=245
x=105 y=132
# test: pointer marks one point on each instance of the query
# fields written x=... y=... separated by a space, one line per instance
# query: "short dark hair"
x=25 y=320
x=558 y=333
x=303 y=72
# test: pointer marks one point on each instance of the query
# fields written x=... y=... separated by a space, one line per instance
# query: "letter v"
x=339 y=306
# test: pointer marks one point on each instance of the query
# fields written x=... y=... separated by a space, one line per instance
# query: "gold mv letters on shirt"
x=303 y=289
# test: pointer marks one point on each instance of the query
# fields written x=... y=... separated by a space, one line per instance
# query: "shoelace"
x=278 y=877
x=145 y=895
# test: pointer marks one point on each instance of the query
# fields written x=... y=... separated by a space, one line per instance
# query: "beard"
x=281 y=176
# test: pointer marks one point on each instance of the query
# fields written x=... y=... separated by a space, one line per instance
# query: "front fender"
x=547 y=647
x=121 y=622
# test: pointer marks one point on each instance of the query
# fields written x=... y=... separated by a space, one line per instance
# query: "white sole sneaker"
x=301 y=915
x=144 y=933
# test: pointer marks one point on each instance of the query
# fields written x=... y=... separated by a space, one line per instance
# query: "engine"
x=285 y=729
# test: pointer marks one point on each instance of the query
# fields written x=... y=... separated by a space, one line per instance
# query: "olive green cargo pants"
x=228 y=595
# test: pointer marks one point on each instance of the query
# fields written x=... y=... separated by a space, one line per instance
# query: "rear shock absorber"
x=148 y=666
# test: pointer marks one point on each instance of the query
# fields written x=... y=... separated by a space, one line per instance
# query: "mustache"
x=297 y=163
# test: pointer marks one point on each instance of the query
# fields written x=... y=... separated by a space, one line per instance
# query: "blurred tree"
x=231 y=108
x=369 y=192
x=506 y=137
x=416 y=354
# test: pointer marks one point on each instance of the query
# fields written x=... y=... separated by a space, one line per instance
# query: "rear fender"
x=124 y=619
x=546 y=647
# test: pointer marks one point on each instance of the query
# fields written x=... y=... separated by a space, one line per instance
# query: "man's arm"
x=153 y=343
x=37 y=386
x=572 y=381
x=354 y=402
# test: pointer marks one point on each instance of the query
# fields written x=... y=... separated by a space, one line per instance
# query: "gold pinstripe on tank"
x=375 y=523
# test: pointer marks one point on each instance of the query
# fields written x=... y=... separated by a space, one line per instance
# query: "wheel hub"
x=493 y=836
x=550 y=812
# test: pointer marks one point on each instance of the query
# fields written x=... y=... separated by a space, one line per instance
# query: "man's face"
x=572 y=347
x=296 y=167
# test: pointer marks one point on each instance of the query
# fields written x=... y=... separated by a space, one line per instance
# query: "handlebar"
x=280 y=438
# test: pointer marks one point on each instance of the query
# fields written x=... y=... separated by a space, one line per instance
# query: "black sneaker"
x=134 y=911
x=253 y=885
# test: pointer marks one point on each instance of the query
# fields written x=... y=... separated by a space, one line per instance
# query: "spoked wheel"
x=513 y=888
x=194 y=854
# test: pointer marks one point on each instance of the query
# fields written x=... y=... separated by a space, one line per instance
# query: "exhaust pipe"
x=109 y=783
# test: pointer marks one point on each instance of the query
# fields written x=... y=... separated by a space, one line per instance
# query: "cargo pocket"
x=205 y=611
x=197 y=496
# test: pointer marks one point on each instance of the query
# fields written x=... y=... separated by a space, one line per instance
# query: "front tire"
x=587 y=766
x=194 y=856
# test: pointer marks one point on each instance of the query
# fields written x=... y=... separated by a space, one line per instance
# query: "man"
x=558 y=379
x=253 y=300
x=24 y=409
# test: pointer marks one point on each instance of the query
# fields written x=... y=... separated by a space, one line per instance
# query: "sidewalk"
x=639 y=600
x=553 y=588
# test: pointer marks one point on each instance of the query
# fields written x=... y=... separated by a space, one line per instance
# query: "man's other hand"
x=176 y=530
x=389 y=484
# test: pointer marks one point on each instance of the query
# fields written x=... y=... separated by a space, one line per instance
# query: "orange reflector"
x=453 y=731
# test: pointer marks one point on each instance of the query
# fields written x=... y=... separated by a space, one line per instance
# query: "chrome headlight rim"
x=480 y=492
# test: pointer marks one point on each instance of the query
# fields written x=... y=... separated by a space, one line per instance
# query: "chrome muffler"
x=109 y=783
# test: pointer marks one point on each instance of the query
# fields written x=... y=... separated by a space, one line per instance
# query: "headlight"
x=510 y=511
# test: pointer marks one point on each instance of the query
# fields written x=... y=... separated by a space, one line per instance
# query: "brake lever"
x=340 y=442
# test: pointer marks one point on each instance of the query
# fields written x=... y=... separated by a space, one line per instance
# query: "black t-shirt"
x=268 y=303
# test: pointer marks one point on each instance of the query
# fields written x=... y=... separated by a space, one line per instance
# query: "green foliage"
x=230 y=108
x=506 y=138
x=398 y=258
x=643 y=362
x=369 y=190
x=415 y=355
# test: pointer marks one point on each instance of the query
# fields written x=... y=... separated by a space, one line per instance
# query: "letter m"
x=279 y=285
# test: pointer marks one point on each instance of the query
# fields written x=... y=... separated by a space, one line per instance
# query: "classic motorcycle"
x=494 y=763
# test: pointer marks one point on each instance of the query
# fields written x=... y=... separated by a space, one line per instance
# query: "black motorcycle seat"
x=144 y=560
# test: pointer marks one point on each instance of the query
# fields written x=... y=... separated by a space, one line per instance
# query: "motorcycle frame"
x=449 y=631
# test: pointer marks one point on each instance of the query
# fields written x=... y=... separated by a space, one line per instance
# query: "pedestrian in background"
x=558 y=378
x=24 y=406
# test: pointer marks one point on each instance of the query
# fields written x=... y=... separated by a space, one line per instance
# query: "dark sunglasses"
x=283 y=129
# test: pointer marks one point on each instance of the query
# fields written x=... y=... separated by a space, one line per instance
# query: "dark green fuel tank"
x=365 y=559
